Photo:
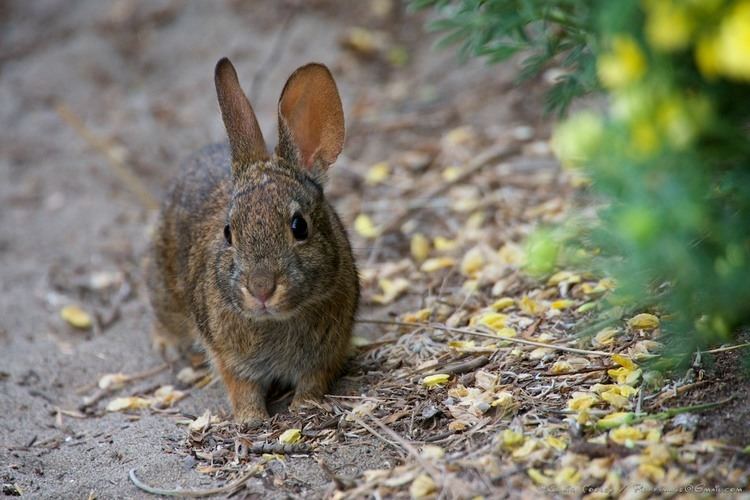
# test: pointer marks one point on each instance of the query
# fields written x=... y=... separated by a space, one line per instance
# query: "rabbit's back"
x=195 y=203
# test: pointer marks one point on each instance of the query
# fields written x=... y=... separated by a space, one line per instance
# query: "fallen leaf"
x=129 y=403
x=392 y=289
x=420 y=247
x=378 y=173
x=643 y=321
x=436 y=380
x=76 y=317
x=422 y=487
x=290 y=436
x=472 y=262
x=113 y=381
x=437 y=263
x=365 y=227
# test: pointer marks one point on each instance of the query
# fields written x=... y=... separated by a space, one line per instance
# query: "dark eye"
x=299 y=227
x=228 y=234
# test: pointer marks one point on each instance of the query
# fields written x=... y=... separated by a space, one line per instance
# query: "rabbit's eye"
x=299 y=227
x=228 y=234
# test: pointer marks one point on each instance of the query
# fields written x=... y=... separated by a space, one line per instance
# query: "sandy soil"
x=138 y=74
x=88 y=87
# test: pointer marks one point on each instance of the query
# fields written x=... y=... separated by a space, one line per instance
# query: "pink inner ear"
x=310 y=109
x=305 y=129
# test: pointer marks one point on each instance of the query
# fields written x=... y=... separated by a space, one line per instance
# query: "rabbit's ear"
x=245 y=136
x=311 y=119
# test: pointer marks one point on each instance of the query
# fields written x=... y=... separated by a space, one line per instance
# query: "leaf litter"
x=479 y=382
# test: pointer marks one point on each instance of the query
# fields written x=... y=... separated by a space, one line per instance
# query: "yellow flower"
x=644 y=136
x=576 y=139
x=734 y=42
x=707 y=56
x=668 y=26
x=623 y=65
x=628 y=373
x=626 y=435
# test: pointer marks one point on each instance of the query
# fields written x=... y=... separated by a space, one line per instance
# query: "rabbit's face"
x=279 y=250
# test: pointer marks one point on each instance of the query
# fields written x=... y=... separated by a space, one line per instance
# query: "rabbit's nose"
x=262 y=285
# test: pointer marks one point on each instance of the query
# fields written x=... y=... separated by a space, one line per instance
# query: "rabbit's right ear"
x=245 y=136
x=311 y=119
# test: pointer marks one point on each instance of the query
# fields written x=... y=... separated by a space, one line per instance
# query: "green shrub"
x=670 y=157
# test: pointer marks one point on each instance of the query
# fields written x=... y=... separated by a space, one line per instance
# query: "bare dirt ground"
x=92 y=92
x=139 y=75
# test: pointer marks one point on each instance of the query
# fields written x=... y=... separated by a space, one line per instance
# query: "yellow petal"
x=418 y=317
x=539 y=478
x=605 y=337
x=555 y=443
x=420 y=247
x=624 y=361
x=77 y=317
x=511 y=439
x=378 y=173
x=432 y=451
x=503 y=303
x=562 y=304
x=113 y=381
x=567 y=476
x=643 y=321
x=582 y=400
x=422 y=487
x=625 y=435
x=503 y=399
x=472 y=262
x=442 y=244
x=506 y=332
x=462 y=345
x=525 y=450
x=436 y=380
x=616 y=400
x=561 y=366
x=451 y=173
x=494 y=321
x=392 y=289
x=651 y=471
x=530 y=306
x=435 y=264
x=457 y=426
x=365 y=227
x=563 y=276
x=131 y=403
x=290 y=436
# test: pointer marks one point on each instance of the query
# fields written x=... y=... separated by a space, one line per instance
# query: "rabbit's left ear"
x=311 y=119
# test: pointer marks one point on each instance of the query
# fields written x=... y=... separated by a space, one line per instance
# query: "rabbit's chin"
x=268 y=312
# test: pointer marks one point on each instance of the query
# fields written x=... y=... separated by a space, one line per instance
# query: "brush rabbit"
x=248 y=256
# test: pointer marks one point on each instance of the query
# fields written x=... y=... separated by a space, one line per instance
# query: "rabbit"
x=250 y=259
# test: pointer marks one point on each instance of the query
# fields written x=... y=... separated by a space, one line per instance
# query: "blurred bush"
x=670 y=158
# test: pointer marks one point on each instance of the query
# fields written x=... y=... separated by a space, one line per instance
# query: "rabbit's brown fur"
x=267 y=307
